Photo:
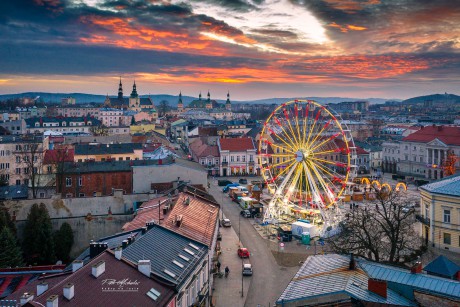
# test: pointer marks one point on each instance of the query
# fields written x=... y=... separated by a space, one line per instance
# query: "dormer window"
x=37 y=124
x=63 y=123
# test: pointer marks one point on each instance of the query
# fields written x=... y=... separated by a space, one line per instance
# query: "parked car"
x=247 y=269
x=243 y=181
x=223 y=182
x=243 y=252
x=226 y=223
x=245 y=213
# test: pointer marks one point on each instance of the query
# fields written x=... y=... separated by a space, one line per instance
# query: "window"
x=128 y=158
x=26 y=170
x=26 y=181
x=237 y=158
x=18 y=181
x=41 y=195
x=80 y=181
x=251 y=158
x=50 y=169
x=81 y=194
x=244 y=158
x=446 y=218
x=18 y=159
x=68 y=195
x=18 y=147
x=232 y=158
x=446 y=238
x=68 y=181
x=18 y=171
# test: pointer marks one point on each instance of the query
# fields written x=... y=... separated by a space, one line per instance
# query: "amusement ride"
x=308 y=160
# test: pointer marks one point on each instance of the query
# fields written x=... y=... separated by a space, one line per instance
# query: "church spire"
x=180 y=97
x=134 y=92
x=199 y=97
x=209 y=96
x=120 y=90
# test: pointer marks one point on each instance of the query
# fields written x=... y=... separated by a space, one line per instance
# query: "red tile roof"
x=91 y=291
x=446 y=134
x=201 y=150
x=199 y=217
x=236 y=144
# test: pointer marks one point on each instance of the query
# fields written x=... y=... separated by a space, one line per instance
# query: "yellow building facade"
x=440 y=213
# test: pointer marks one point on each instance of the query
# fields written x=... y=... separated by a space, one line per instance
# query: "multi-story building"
x=237 y=157
x=64 y=125
x=14 y=126
x=111 y=117
x=29 y=112
x=440 y=213
x=205 y=154
x=422 y=153
x=16 y=156
x=78 y=111
x=108 y=152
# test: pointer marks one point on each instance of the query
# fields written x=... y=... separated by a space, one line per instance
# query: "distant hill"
x=88 y=98
x=436 y=98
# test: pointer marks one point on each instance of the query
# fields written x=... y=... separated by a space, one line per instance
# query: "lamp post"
x=242 y=263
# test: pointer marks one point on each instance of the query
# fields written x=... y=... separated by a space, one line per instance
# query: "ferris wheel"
x=307 y=158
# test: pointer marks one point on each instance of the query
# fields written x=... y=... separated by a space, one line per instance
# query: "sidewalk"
x=227 y=291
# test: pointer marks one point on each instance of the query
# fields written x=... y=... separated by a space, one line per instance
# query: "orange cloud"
x=351 y=6
x=345 y=29
x=356 y=28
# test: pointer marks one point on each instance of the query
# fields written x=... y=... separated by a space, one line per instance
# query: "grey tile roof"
x=30 y=122
x=102 y=149
x=111 y=166
x=447 y=186
x=323 y=275
x=162 y=246
x=421 y=282
x=14 y=192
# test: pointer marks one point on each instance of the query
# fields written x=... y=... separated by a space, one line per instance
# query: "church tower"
x=208 y=102
x=228 y=104
x=134 y=102
x=120 y=91
x=180 y=104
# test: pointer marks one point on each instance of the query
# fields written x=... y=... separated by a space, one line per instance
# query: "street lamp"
x=242 y=263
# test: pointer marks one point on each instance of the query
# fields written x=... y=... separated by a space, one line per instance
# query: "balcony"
x=423 y=220
x=224 y=163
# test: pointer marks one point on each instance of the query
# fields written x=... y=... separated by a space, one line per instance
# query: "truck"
x=298 y=228
x=246 y=202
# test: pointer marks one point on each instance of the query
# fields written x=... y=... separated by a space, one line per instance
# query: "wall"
x=88 y=217
x=144 y=176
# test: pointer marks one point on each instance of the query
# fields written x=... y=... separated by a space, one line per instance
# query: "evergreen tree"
x=38 y=245
x=5 y=220
x=63 y=241
x=10 y=253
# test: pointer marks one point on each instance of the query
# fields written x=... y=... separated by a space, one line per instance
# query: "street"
x=269 y=279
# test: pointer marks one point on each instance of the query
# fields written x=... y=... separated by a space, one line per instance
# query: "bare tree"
x=99 y=130
x=60 y=165
x=382 y=230
x=163 y=107
x=31 y=157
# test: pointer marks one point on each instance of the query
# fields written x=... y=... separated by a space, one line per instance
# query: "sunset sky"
x=252 y=48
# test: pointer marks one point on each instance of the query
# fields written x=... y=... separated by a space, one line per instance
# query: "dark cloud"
x=90 y=60
x=235 y=5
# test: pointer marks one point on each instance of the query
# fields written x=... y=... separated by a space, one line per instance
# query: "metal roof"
x=323 y=275
x=172 y=256
x=421 y=282
x=447 y=186
x=442 y=266
x=14 y=192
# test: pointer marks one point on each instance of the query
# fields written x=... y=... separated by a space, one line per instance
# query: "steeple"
x=199 y=96
x=134 y=92
x=228 y=98
x=180 y=97
x=120 y=90
x=228 y=104
x=209 y=96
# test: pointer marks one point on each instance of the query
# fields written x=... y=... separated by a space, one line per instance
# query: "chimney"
x=179 y=220
x=352 y=262
x=76 y=265
x=95 y=248
x=144 y=230
x=416 y=268
x=144 y=267
x=69 y=291
x=378 y=287
x=150 y=225
x=118 y=253
x=98 y=269
x=124 y=244
x=52 y=301
x=43 y=286
x=26 y=297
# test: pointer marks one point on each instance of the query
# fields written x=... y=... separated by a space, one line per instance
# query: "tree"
x=59 y=161
x=5 y=219
x=31 y=155
x=63 y=241
x=163 y=107
x=10 y=253
x=382 y=231
x=38 y=245
x=100 y=130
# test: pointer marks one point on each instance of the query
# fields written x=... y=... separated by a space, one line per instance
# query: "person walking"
x=227 y=270
x=218 y=266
